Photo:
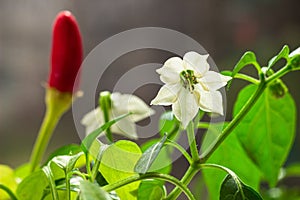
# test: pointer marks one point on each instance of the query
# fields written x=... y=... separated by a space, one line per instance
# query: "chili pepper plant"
x=242 y=158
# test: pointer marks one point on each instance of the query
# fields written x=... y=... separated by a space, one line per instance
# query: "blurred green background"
x=226 y=29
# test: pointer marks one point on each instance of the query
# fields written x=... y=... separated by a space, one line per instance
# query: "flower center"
x=188 y=79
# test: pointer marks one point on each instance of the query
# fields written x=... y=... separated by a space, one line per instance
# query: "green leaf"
x=118 y=163
x=90 y=191
x=22 y=171
x=231 y=155
x=148 y=157
x=247 y=59
x=230 y=190
x=151 y=190
x=88 y=140
x=7 y=179
x=284 y=53
x=267 y=132
x=33 y=186
x=163 y=162
x=62 y=194
x=168 y=124
x=65 y=162
x=68 y=150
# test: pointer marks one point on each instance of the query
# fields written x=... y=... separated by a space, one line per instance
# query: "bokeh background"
x=226 y=29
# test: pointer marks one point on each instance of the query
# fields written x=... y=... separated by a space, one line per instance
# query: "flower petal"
x=186 y=107
x=170 y=71
x=166 y=95
x=295 y=52
x=125 y=127
x=126 y=103
x=92 y=120
x=213 y=80
x=196 y=62
x=209 y=101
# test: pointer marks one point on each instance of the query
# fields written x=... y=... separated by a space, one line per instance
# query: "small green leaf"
x=149 y=156
x=230 y=190
x=88 y=140
x=268 y=130
x=118 y=163
x=163 y=162
x=247 y=59
x=8 y=179
x=65 y=162
x=91 y=191
x=151 y=190
x=284 y=53
x=33 y=186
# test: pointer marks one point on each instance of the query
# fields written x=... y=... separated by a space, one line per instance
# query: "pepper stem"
x=57 y=103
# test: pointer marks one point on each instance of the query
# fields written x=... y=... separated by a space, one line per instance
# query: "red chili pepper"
x=66 y=55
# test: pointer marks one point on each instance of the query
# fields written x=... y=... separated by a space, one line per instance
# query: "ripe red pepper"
x=67 y=53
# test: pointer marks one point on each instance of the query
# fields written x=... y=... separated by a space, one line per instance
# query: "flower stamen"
x=188 y=79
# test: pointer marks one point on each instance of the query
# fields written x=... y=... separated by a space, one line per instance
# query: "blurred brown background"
x=225 y=28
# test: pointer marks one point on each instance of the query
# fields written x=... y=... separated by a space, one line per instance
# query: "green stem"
x=88 y=164
x=179 y=148
x=192 y=141
x=246 y=78
x=9 y=192
x=68 y=175
x=57 y=103
x=204 y=125
x=49 y=123
x=105 y=105
x=151 y=175
x=186 y=179
x=47 y=170
x=287 y=68
x=236 y=120
x=230 y=172
x=97 y=163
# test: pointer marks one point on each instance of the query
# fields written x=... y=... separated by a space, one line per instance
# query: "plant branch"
x=151 y=175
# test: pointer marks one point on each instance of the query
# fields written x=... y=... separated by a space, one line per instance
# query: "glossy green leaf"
x=90 y=191
x=33 y=186
x=231 y=155
x=267 y=132
x=247 y=59
x=284 y=53
x=230 y=190
x=148 y=157
x=118 y=163
x=163 y=162
x=88 y=140
x=65 y=162
x=151 y=190
x=8 y=180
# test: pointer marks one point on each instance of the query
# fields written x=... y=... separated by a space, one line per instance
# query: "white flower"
x=189 y=85
x=295 y=52
x=121 y=104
